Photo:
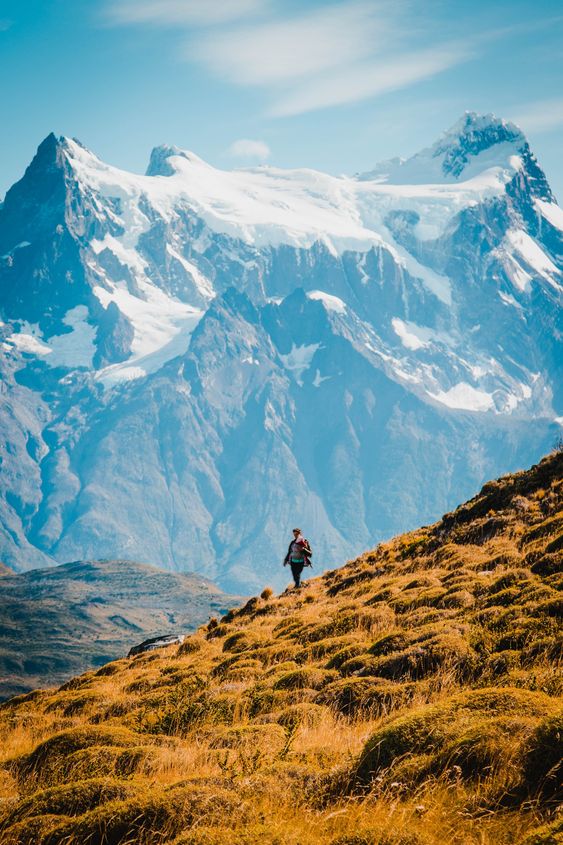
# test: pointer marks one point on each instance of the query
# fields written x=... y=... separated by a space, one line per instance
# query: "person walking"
x=298 y=555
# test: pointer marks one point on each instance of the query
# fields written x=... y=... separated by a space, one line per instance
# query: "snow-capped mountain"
x=194 y=359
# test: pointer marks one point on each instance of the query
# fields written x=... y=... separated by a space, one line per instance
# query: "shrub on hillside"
x=267 y=739
x=68 y=800
x=548 y=564
x=547 y=834
x=342 y=655
x=470 y=731
x=365 y=696
x=190 y=646
x=48 y=758
x=305 y=713
x=306 y=678
x=446 y=650
x=249 y=835
x=241 y=641
x=149 y=818
x=543 y=763
x=331 y=645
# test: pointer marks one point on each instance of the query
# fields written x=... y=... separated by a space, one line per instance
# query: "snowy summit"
x=432 y=285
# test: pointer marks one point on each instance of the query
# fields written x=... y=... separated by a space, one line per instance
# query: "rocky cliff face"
x=194 y=360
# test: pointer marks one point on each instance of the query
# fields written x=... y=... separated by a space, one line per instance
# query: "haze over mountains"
x=194 y=360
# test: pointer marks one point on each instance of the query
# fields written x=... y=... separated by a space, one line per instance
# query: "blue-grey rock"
x=193 y=361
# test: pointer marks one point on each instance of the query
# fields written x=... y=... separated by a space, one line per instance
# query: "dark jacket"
x=306 y=552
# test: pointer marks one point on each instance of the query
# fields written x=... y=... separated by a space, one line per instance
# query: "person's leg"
x=296 y=570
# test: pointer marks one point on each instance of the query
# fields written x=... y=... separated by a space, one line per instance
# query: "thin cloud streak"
x=187 y=12
x=540 y=116
x=338 y=53
x=368 y=80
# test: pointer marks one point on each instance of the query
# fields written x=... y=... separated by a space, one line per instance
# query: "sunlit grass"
x=409 y=698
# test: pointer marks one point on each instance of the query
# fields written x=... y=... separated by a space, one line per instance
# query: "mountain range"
x=193 y=360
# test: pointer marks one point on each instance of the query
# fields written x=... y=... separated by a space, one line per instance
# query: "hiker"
x=298 y=555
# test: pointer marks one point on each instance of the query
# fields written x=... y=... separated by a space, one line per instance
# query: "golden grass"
x=410 y=698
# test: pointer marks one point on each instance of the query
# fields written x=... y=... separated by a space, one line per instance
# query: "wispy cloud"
x=5 y=24
x=283 y=50
x=246 y=148
x=371 y=79
x=341 y=52
x=189 y=12
x=540 y=116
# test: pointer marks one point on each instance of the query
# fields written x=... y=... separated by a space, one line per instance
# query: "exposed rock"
x=156 y=642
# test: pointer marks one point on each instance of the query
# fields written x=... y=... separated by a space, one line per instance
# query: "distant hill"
x=60 y=621
x=5 y=570
x=412 y=697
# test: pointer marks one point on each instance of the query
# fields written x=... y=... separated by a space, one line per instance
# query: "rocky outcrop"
x=156 y=642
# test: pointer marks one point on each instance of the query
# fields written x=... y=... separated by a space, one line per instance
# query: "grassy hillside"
x=411 y=697
x=59 y=621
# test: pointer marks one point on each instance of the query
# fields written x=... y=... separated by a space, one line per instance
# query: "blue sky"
x=331 y=85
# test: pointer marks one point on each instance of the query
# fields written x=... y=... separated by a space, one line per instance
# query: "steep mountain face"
x=66 y=619
x=194 y=360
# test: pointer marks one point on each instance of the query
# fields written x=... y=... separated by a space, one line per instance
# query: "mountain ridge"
x=439 y=303
x=451 y=156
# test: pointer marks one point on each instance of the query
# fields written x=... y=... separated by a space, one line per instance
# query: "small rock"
x=157 y=642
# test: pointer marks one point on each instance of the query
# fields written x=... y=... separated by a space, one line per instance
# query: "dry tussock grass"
x=409 y=698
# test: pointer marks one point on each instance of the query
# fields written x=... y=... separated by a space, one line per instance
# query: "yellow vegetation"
x=411 y=697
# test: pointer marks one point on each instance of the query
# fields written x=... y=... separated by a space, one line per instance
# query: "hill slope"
x=57 y=622
x=410 y=698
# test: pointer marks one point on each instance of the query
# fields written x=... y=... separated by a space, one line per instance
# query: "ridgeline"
x=411 y=697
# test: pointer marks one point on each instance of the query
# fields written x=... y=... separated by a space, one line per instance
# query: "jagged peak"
x=160 y=163
x=47 y=151
x=233 y=302
x=473 y=135
x=54 y=155
x=471 y=122
x=43 y=177
x=55 y=143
